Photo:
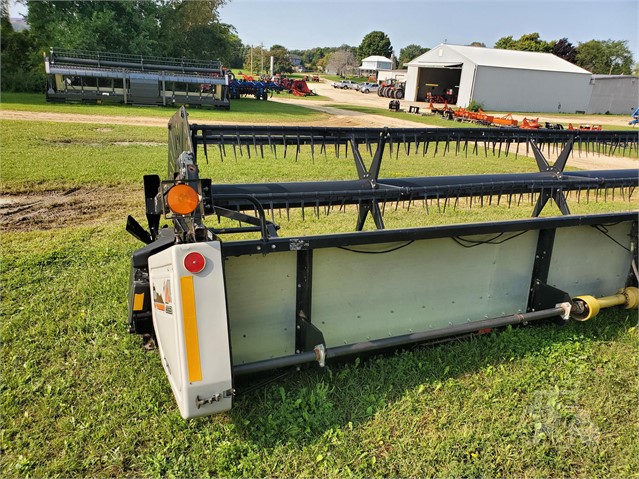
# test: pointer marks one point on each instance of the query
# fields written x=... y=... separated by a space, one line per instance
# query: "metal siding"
x=261 y=303
x=614 y=95
x=466 y=84
x=505 y=89
x=585 y=261
x=426 y=285
x=411 y=84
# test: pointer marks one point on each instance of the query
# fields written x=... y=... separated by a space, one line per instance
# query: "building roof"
x=613 y=77
x=376 y=58
x=494 y=57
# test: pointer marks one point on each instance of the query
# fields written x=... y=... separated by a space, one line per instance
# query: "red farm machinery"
x=392 y=89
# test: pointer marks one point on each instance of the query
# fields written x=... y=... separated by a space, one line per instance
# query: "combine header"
x=262 y=300
x=100 y=77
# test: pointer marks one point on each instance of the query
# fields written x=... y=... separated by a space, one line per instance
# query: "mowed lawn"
x=81 y=397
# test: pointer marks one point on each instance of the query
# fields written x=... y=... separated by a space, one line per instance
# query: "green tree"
x=375 y=43
x=192 y=29
x=21 y=59
x=608 y=57
x=477 y=44
x=256 y=57
x=236 y=52
x=281 y=60
x=529 y=42
x=120 y=27
x=506 y=43
x=410 y=52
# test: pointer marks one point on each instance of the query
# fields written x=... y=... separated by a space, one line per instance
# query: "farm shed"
x=617 y=94
x=501 y=80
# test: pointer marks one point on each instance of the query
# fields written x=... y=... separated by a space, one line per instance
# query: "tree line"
x=192 y=29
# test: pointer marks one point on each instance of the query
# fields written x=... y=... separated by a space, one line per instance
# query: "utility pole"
x=251 y=60
x=261 y=58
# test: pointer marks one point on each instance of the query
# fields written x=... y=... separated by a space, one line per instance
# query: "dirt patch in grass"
x=63 y=208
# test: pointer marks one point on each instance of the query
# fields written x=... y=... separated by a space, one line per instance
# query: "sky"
x=304 y=24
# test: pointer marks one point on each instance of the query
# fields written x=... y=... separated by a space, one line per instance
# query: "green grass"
x=64 y=155
x=244 y=110
x=81 y=398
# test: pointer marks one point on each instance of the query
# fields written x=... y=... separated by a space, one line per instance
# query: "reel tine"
x=234 y=152
x=285 y=145
x=206 y=153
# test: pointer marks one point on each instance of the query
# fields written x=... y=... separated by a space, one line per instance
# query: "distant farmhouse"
x=371 y=65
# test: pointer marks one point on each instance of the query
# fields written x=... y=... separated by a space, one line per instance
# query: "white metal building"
x=386 y=75
x=616 y=94
x=501 y=80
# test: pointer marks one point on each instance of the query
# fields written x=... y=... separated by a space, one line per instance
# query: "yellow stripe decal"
x=190 y=329
x=138 y=301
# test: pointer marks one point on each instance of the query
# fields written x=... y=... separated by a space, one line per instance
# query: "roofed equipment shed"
x=501 y=80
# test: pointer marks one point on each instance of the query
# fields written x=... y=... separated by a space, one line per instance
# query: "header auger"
x=223 y=308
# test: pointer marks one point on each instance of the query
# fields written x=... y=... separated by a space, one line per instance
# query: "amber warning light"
x=182 y=199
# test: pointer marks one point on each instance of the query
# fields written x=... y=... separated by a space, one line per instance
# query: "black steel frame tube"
x=357 y=348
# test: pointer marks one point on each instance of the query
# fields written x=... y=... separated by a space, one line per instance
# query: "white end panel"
x=190 y=320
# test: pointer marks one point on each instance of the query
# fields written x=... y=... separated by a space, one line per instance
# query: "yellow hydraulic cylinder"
x=587 y=307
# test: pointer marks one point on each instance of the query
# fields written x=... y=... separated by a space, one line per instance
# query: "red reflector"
x=194 y=262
